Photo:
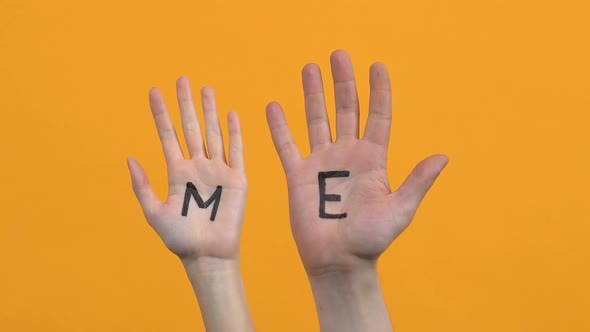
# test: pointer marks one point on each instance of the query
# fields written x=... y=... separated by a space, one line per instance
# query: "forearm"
x=220 y=291
x=350 y=300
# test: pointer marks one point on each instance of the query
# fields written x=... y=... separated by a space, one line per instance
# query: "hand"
x=201 y=221
x=201 y=232
x=361 y=215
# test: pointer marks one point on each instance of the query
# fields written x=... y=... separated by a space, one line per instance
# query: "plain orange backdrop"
x=500 y=86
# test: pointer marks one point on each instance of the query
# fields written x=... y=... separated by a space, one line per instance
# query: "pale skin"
x=209 y=250
x=340 y=255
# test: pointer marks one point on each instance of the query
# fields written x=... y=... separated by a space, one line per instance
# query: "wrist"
x=352 y=282
x=218 y=284
x=349 y=298
x=205 y=266
x=214 y=280
x=349 y=266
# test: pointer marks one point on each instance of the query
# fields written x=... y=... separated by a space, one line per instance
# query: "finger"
x=190 y=122
x=417 y=184
x=318 y=125
x=347 y=101
x=379 y=122
x=142 y=188
x=281 y=136
x=236 y=147
x=166 y=131
x=212 y=127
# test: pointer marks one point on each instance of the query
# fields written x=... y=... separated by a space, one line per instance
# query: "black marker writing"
x=322 y=176
x=191 y=190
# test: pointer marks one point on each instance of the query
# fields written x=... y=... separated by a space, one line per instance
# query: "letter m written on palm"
x=191 y=191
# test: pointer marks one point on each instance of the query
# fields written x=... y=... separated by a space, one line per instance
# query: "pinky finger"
x=142 y=188
x=236 y=147
x=281 y=136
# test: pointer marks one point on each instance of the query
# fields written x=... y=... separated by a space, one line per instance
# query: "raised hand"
x=343 y=211
x=187 y=229
x=201 y=219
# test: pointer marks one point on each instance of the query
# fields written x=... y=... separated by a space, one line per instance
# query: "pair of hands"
x=375 y=215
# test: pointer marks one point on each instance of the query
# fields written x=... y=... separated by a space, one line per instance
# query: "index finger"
x=380 y=114
x=166 y=131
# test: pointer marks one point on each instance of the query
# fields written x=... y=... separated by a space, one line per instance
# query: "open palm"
x=341 y=205
x=190 y=228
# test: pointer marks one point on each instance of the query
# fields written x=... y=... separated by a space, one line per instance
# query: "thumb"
x=417 y=184
x=142 y=188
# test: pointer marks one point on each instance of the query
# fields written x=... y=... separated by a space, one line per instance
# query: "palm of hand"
x=375 y=215
x=187 y=229
x=195 y=234
x=370 y=224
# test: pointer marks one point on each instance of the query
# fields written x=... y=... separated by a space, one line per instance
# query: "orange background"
x=499 y=244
